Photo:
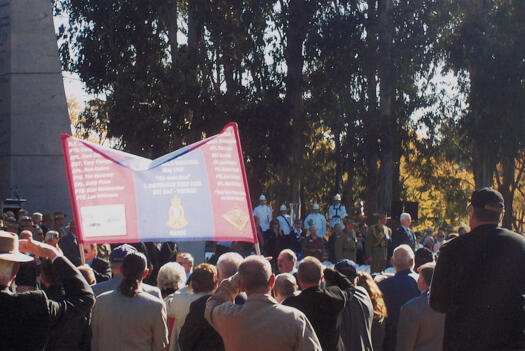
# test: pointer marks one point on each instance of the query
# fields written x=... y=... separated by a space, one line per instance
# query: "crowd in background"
x=321 y=284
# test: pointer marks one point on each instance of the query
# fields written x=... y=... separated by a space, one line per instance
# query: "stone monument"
x=33 y=108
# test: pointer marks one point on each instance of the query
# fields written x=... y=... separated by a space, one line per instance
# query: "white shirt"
x=264 y=213
x=336 y=213
x=318 y=221
x=285 y=223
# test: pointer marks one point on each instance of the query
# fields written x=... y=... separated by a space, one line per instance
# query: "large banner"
x=199 y=192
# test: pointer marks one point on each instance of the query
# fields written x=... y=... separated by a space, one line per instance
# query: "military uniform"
x=376 y=246
x=345 y=246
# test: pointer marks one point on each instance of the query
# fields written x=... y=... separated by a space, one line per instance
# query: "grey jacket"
x=420 y=328
x=114 y=283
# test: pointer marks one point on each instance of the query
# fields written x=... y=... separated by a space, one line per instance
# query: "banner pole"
x=257 y=248
x=82 y=257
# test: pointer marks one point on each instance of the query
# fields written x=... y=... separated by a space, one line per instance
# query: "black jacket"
x=196 y=333
x=72 y=333
x=400 y=237
x=479 y=282
x=324 y=308
x=101 y=269
x=28 y=318
x=69 y=246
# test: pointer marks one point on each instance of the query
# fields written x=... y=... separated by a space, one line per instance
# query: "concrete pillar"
x=33 y=108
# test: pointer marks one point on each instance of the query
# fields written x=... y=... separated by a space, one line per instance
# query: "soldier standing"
x=376 y=244
x=345 y=243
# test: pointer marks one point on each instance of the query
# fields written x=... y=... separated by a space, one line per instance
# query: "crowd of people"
x=320 y=285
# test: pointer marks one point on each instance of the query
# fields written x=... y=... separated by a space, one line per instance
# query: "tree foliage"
x=336 y=96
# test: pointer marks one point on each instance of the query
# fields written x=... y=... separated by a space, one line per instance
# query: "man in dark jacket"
x=397 y=290
x=196 y=333
x=69 y=245
x=100 y=267
x=322 y=306
x=28 y=318
x=403 y=234
x=73 y=332
x=479 y=281
x=359 y=312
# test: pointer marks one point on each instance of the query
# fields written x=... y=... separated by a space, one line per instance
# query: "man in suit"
x=420 y=328
x=397 y=290
x=261 y=324
x=69 y=245
x=479 y=281
x=403 y=234
x=99 y=266
x=116 y=258
x=28 y=318
x=322 y=306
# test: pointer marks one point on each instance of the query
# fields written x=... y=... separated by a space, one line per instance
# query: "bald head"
x=403 y=258
x=309 y=272
x=255 y=275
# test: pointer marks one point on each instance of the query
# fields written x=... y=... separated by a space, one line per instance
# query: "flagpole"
x=82 y=257
x=257 y=248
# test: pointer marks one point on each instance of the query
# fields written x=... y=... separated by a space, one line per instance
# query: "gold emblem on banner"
x=237 y=218
x=176 y=213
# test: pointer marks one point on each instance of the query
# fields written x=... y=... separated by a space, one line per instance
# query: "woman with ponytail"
x=129 y=318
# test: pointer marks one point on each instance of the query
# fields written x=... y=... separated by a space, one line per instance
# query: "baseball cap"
x=487 y=199
x=347 y=267
x=262 y=198
x=316 y=206
x=118 y=254
x=283 y=208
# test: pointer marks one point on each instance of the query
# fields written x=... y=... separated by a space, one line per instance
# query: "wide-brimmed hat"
x=9 y=248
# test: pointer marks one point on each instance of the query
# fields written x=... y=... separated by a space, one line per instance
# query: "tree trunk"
x=371 y=121
x=507 y=190
x=483 y=163
x=386 y=96
x=172 y=17
x=295 y=36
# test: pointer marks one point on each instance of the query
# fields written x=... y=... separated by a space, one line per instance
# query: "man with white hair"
x=285 y=286
x=336 y=212
x=316 y=219
x=403 y=234
x=397 y=290
x=264 y=213
x=28 y=318
x=261 y=324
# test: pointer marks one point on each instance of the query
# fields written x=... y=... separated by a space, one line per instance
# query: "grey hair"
x=228 y=264
x=285 y=284
x=404 y=215
x=171 y=276
x=403 y=256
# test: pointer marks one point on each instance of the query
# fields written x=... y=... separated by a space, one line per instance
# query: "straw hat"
x=9 y=248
